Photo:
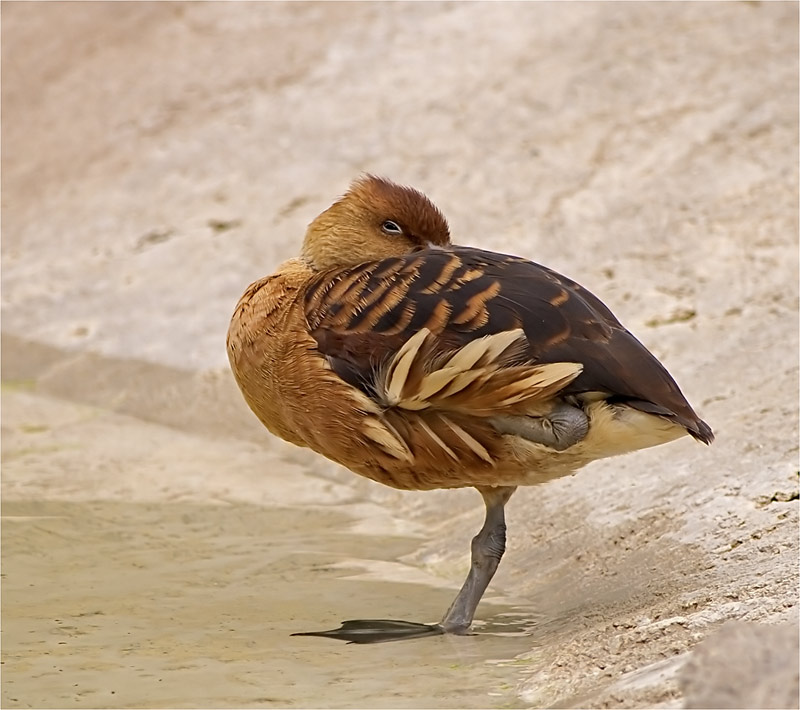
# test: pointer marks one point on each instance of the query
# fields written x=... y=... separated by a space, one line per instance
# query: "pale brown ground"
x=159 y=547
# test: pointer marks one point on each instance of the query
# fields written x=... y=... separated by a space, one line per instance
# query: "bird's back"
x=360 y=316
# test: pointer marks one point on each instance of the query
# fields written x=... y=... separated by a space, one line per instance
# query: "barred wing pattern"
x=524 y=322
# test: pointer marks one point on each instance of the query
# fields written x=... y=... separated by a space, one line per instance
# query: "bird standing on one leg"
x=421 y=365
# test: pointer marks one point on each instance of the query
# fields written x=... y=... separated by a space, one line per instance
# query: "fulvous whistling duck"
x=421 y=364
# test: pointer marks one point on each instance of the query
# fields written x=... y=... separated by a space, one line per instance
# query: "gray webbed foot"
x=561 y=428
x=377 y=631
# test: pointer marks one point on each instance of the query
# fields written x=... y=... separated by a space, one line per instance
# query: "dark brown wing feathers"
x=361 y=316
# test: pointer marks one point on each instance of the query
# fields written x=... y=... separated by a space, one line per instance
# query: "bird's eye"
x=391 y=227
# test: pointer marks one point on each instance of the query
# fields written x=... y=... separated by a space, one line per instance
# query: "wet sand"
x=183 y=604
x=193 y=606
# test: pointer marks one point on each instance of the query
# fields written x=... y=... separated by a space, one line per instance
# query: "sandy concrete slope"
x=159 y=156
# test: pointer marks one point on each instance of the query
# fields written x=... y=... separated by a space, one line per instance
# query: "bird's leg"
x=559 y=429
x=487 y=549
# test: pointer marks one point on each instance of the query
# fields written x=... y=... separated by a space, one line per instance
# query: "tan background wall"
x=157 y=157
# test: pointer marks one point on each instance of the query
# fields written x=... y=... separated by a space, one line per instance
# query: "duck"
x=421 y=365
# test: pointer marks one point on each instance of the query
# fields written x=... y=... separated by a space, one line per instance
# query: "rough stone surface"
x=157 y=157
x=744 y=666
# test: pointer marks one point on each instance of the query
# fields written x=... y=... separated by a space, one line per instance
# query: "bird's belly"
x=406 y=450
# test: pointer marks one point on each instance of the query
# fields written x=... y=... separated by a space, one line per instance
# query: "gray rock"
x=744 y=666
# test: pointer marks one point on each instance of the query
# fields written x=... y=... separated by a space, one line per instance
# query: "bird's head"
x=375 y=219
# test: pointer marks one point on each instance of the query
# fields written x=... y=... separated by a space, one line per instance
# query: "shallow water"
x=179 y=605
